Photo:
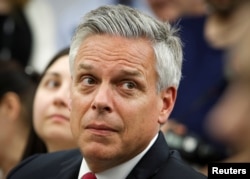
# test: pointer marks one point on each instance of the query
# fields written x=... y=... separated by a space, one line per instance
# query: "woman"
x=50 y=109
x=16 y=96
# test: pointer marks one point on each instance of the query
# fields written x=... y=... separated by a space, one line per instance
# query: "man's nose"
x=103 y=99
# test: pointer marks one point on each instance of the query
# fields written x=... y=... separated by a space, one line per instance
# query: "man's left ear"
x=168 y=98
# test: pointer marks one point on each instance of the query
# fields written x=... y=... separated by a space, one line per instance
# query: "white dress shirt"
x=119 y=172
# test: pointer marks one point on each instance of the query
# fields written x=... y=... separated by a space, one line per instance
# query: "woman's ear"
x=11 y=105
x=168 y=98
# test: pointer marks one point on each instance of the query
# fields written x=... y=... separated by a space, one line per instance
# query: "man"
x=126 y=69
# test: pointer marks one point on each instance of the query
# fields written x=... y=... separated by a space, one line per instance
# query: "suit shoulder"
x=40 y=165
x=175 y=168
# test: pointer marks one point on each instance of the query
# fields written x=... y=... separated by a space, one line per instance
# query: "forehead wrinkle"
x=92 y=50
x=130 y=72
x=126 y=60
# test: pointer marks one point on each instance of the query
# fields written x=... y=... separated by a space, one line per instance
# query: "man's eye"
x=129 y=85
x=88 y=81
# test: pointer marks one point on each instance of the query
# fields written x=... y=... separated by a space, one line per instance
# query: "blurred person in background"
x=27 y=33
x=202 y=84
x=228 y=27
x=50 y=110
x=16 y=95
x=172 y=10
x=15 y=33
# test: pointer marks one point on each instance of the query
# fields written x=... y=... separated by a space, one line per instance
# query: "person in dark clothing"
x=17 y=90
x=15 y=32
x=125 y=68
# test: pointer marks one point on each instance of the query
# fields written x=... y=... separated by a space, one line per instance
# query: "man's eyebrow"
x=131 y=72
x=85 y=66
x=124 y=72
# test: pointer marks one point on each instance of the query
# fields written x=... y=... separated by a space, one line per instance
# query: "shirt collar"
x=121 y=171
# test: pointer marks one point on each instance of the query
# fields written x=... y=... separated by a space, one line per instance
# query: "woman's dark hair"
x=35 y=144
x=60 y=54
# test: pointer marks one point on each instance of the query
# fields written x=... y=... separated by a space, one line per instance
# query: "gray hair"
x=127 y=22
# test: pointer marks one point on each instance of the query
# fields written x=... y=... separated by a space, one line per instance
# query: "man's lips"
x=100 y=129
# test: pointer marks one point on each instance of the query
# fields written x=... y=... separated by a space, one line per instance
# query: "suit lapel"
x=152 y=160
x=69 y=169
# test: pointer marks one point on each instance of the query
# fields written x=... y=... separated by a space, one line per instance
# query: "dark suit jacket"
x=158 y=163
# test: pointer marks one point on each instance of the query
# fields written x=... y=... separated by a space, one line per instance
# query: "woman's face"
x=51 y=113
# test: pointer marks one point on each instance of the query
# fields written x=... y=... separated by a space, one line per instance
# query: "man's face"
x=115 y=108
